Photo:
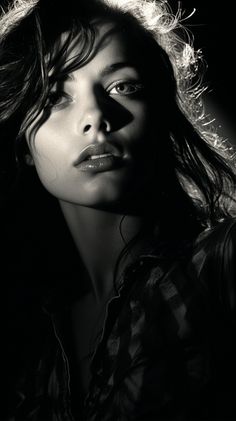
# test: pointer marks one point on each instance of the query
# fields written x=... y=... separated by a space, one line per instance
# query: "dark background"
x=213 y=25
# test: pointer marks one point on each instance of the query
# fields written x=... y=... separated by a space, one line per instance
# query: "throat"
x=97 y=236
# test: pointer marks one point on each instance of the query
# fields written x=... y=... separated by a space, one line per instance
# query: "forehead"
x=113 y=42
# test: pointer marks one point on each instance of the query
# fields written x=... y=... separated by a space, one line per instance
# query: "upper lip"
x=97 y=149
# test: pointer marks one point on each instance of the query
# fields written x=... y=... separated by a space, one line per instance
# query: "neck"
x=100 y=236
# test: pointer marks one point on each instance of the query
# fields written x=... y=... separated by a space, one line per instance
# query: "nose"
x=95 y=122
x=97 y=115
x=95 y=118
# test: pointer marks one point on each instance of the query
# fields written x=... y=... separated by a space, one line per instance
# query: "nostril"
x=87 y=128
x=104 y=126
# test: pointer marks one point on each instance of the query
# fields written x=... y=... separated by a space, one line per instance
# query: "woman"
x=107 y=105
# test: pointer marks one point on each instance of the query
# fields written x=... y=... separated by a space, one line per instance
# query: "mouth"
x=99 y=157
x=100 y=163
x=92 y=157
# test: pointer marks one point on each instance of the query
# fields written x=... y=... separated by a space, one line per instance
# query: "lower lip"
x=108 y=163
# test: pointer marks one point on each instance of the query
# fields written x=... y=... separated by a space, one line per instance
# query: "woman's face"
x=97 y=146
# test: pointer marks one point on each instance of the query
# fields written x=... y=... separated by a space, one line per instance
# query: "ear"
x=29 y=160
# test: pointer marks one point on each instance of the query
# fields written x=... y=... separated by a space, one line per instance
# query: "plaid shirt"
x=166 y=350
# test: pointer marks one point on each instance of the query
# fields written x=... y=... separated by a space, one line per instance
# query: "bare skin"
x=98 y=239
x=97 y=236
x=102 y=104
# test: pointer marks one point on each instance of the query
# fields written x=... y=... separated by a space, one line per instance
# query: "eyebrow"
x=106 y=71
x=111 y=68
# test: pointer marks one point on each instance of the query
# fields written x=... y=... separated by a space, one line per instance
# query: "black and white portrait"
x=118 y=213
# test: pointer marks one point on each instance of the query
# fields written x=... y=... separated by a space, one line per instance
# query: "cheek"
x=143 y=139
x=140 y=131
x=49 y=154
x=139 y=125
x=46 y=169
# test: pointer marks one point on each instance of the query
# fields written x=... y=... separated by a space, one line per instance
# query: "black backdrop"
x=213 y=25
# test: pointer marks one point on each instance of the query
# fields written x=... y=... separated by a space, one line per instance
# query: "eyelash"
x=55 y=98
x=136 y=86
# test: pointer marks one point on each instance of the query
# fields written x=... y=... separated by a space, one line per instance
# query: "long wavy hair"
x=33 y=55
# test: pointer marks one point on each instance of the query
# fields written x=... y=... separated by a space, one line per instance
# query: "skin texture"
x=102 y=103
x=99 y=106
x=96 y=108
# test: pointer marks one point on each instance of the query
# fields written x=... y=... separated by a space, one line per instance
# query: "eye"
x=125 y=88
x=58 y=100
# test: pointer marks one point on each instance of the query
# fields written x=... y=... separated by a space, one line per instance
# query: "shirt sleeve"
x=214 y=266
x=227 y=274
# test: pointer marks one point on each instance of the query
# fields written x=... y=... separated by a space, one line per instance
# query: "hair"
x=202 y=161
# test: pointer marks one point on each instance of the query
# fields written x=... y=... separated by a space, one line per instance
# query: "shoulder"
x=221 y=232
x=218 y=243
x=213 y=263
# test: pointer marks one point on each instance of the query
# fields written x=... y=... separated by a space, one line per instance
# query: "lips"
x=98 y=151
